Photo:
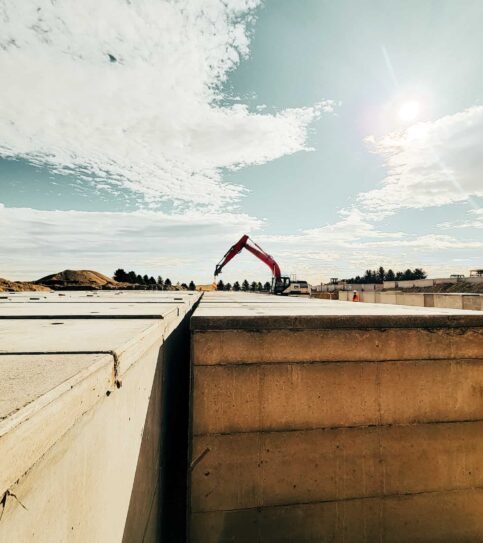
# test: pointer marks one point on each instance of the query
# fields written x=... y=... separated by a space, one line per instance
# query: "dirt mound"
x=80 y=278
x=19 y=286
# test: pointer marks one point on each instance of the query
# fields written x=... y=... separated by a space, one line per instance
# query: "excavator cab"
x=280 y=284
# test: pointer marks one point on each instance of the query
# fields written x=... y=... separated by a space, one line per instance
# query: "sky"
x=151 y=135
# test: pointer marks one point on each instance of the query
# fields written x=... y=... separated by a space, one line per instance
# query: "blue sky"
x=340 y=135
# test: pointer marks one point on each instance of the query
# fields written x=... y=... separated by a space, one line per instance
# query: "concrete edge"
x=328 y=322
x=31 y=431
x=27 y=435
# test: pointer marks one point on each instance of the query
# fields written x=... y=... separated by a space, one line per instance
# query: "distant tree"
x=407 y=275
x=146 y=279
x=159 y=282
x=120 y=275
x=390 y=275
x=245 y=286
x=259 y=287
x=379 y=275
x=419 y=273
x=184 y=286
x=132 y=277
x=139 y=280
x=152 y=280
x=192 y=286
x=253 y=286
x=236 y=286
x=267 y=286
x=167 y=284
x=220 y=285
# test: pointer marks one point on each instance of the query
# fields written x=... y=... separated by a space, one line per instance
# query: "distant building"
x=476 y=273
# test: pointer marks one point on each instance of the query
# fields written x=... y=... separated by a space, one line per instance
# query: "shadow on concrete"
x=157 y=508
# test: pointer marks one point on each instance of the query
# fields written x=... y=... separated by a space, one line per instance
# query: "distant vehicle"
x=280 y=284
x=297 y=287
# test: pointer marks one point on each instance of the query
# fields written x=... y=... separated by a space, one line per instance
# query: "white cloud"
x=430 y=164
x=35 y=243
x=474 y=220
x=130 y=92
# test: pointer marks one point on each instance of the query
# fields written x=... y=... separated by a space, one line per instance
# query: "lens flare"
x=409 y=111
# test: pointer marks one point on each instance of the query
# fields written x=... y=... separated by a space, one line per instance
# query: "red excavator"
x=280 y=284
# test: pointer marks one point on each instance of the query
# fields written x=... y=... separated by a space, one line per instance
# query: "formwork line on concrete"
x=339 y=500
x=332 y=428
x=333 y=362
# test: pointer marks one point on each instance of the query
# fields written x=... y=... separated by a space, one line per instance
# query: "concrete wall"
x=422 y=299
x=388 y=298
x=336 y=428
x=83 y=451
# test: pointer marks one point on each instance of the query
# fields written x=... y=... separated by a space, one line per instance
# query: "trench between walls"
x=159 y=497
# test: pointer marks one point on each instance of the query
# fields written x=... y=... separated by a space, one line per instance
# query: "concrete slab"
x=317 y=314
x=26 y=378
x=43 y=396
x=77 y=375
x=88 y=311
x=71 y=335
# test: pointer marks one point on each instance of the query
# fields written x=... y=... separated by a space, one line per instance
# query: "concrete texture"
x=443 y=517
x=249 y=470
x=333 y=421
x=258 y=397
x=472 y=302
x=83 y=405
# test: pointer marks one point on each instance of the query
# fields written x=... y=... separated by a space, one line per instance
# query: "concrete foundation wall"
x=388 y=298
x=415 y=299
x=332 y=429
x=472 y=302
x=85 y=411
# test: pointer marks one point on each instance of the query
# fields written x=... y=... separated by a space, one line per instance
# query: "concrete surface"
x=82 y=411
x=318 y=420
x=473 y=302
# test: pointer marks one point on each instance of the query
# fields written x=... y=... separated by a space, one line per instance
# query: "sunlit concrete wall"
x=422 y=299
x=83 y=412
x=311 y=425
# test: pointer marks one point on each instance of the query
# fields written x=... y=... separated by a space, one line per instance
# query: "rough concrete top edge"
x=60 y=316
x=321 y=322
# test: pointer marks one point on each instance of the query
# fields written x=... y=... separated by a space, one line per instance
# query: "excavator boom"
x=246 y=243
x=280 y=285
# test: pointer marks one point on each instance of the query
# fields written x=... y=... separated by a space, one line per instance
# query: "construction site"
x=241 y=274
x=237 y=417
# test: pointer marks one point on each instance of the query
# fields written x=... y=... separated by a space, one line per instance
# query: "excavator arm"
x=246 y=243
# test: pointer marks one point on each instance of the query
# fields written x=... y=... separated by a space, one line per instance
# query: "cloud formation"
x=36 y=243
x=130 y=93
x=430 y=164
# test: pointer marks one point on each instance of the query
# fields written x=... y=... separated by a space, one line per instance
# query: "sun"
x=409 y=111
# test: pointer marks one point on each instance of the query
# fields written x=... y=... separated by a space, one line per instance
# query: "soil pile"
x=85 y=279
x=19 y=286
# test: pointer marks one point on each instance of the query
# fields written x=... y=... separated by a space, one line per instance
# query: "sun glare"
x=409 y=111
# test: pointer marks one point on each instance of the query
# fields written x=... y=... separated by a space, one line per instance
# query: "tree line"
x=380 y=275
x=149 y=281
x=245 y=286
